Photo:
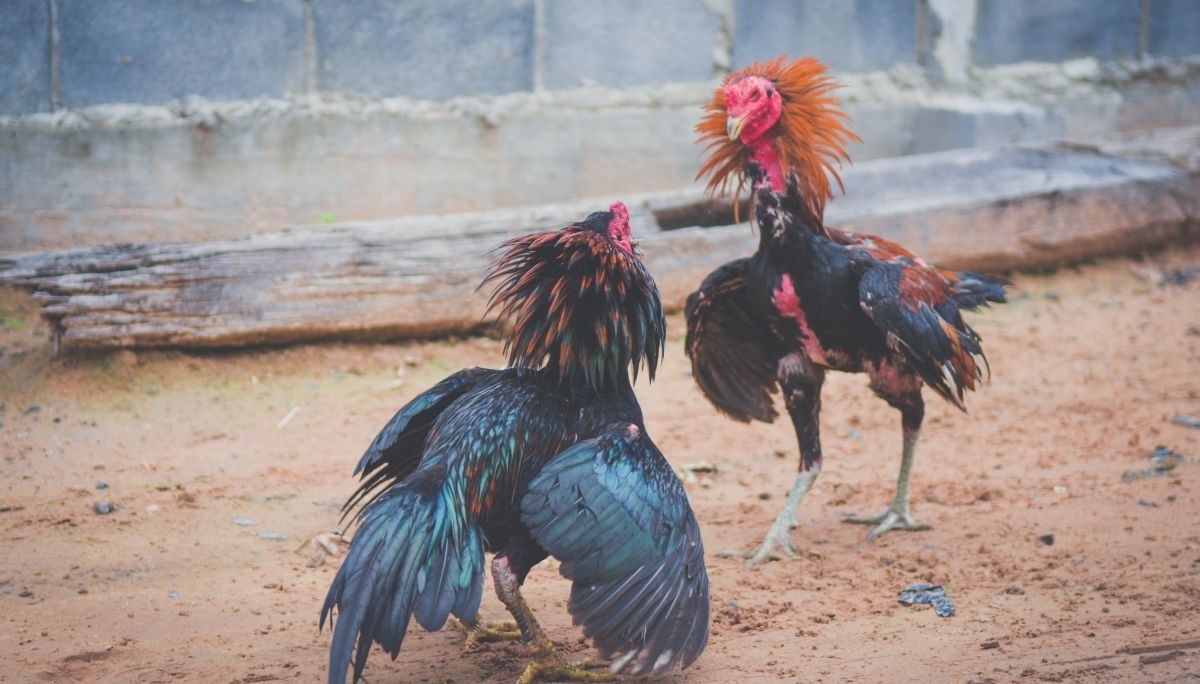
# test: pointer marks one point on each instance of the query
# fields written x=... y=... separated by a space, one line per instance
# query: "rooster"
x=813 y=298
x=549 y=456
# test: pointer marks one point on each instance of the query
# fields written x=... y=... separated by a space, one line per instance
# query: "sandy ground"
x=221 y=465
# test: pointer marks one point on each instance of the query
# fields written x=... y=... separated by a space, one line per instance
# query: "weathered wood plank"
x=995 y=209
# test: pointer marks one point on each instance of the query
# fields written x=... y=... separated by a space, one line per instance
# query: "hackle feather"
x=810 y=137
x=578 y=303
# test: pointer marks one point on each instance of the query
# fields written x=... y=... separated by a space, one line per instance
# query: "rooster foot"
x=484 y=632
x=888 y=520
x=555 y=668
x=777 y=546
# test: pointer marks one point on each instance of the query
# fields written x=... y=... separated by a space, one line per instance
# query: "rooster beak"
x=734 y=126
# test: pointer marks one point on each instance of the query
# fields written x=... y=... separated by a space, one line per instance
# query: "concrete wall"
x=195 y=119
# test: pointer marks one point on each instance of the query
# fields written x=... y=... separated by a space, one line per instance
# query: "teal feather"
x=484 y=448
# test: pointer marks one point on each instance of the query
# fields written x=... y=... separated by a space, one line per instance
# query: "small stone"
x=32 y=408
x=765 y=496
x=1047 y=539
x=1156 y=658
x=1147 y=502
x=103 y=507
x=1180 y=276
x=101 y=485
x=173 y=593
x=244 y=522
x=988 y=645
x=327 y=544
x=25 y=594
x=1186 y=421
x=153 y=508
x=272 y=536
x=842 y=493
x=412 y=361
x=1164 y=458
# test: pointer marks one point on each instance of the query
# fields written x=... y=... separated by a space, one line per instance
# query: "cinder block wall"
x=126 y=120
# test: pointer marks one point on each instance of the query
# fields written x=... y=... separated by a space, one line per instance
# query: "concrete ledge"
x=997 y=209
x=198 y=170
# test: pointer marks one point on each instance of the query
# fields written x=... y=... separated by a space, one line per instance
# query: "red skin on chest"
x=787 y=303
x=888 y=380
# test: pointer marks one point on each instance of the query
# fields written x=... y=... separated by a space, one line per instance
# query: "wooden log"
x=995 y=209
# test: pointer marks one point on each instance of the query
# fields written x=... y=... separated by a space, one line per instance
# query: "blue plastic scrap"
x=932 y=594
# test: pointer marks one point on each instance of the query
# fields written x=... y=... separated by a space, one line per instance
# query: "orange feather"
x=810 y=136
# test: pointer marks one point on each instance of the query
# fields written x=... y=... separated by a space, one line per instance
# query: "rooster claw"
x=558 y=670
x=774 y=547
x=760 y=555
x=484 y=632
x=887 y=521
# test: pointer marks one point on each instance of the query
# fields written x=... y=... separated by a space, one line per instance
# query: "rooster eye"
x=754 y=95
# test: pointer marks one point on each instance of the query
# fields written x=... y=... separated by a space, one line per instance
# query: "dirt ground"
x=221 y=465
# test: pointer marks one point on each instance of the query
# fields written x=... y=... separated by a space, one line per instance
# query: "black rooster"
x=546 y=457
x=813 y=298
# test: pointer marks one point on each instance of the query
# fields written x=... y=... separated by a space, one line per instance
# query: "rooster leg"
x=778 y=542
x=898 y=514
x=548 y=663
x=801 y=381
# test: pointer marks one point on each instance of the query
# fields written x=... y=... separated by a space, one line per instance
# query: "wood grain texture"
x=997 y=209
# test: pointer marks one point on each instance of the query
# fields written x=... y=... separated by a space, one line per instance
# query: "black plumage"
x=813 y=298
x=547 y=457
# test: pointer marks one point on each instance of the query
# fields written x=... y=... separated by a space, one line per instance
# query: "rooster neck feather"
x=809 y=138
x=580 y=306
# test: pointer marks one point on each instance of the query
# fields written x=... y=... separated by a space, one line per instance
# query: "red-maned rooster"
x=813 y=298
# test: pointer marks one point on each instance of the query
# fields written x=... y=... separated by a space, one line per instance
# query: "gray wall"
x=128 y=120
x=76 y=53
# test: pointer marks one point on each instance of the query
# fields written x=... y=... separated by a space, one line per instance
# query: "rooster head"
x=782 y=115
x=580 y=302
